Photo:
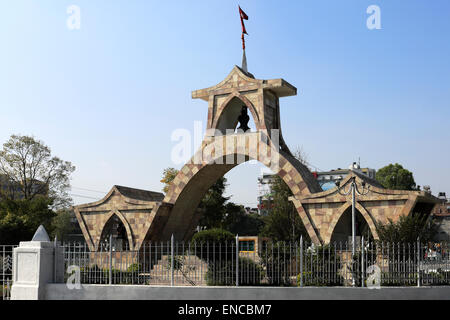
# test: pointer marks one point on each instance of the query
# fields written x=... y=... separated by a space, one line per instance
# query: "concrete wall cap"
x=36 y=244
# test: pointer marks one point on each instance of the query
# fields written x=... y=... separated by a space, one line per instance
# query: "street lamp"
x=354 y=190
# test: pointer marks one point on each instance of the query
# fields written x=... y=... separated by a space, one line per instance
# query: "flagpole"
x=244 y=57
x=243 y=16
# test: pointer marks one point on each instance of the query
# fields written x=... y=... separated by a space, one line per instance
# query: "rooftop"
x=139 y=194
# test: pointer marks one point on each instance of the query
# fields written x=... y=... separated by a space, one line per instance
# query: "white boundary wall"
x=38 y=275
x=142 y=292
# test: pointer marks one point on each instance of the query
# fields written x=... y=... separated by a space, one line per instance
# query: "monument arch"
x=341 y=227
x=225 y=100
x=229 y=111
x=154 y=216
x=117 y=227
x=133 y=207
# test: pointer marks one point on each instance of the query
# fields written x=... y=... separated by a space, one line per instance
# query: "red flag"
x=243 y=17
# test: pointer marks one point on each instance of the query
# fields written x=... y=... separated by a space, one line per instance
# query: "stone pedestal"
x=34 y=265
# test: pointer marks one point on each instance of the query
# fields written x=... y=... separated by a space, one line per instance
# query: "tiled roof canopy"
x=139 y=194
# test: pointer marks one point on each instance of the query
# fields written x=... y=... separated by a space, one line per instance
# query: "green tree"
x=213 y=205
x=283 y=223
x=406 y=229
x=168 y=175
x=394 y=176
x=62 y=224
x=217 y=247
x=28 y=170
x=213 y=235
x=20 y=218
x=237 y=221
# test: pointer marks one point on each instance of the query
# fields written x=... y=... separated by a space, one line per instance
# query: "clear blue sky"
x=108 y=96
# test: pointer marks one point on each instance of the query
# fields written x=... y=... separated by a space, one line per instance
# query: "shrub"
x=406 y=229
x=313 y=279
x=435 y=278
x=390 y=280
x=178 y=262
x=95 y=275
x=224 y=273
x=279 y=263
x=249 y=272
x=214 y=244
x=321 y=267
x=213 y=235
x=135 y=267
x=123 y=277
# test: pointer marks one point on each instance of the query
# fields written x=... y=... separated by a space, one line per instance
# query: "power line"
x=88 y=190
x=81 y=196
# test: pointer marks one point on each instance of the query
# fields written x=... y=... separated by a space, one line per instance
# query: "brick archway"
x=153 y=216
x=212 y=160
x=193 y=180
x=125 y=223
x=342 y=210
x=222 y=109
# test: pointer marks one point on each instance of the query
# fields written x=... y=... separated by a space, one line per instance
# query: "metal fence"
x=6 y=265
x=270 y=264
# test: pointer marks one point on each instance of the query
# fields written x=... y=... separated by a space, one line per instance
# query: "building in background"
x=441 y=216
x=249 y=210
x=76 y=235
x=327 y=180
x=265 y=197
x=14 y=190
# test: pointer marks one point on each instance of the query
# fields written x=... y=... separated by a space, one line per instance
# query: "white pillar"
x=34 y=266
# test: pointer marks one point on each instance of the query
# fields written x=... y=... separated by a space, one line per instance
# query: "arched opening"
x=343 y=230
x=184 y=215
x=192 y=182
x=228 y=119
x=114 y=227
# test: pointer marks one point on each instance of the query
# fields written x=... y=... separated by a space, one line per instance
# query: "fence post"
x=3 y=273
x=362 y=261
x=172 y=258
x=110 y=259
x=418 y=262
x=301 y=261
x=55 y=244
x=237 y=260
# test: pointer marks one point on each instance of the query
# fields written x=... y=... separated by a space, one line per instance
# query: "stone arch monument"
x=222 y=148
x=152 y=216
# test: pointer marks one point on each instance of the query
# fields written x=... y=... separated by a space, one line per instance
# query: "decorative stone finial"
x=41 y=235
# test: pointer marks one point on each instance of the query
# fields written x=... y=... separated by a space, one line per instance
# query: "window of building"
x=247 y=245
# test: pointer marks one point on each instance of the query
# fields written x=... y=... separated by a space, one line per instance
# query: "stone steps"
x=192 y=271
